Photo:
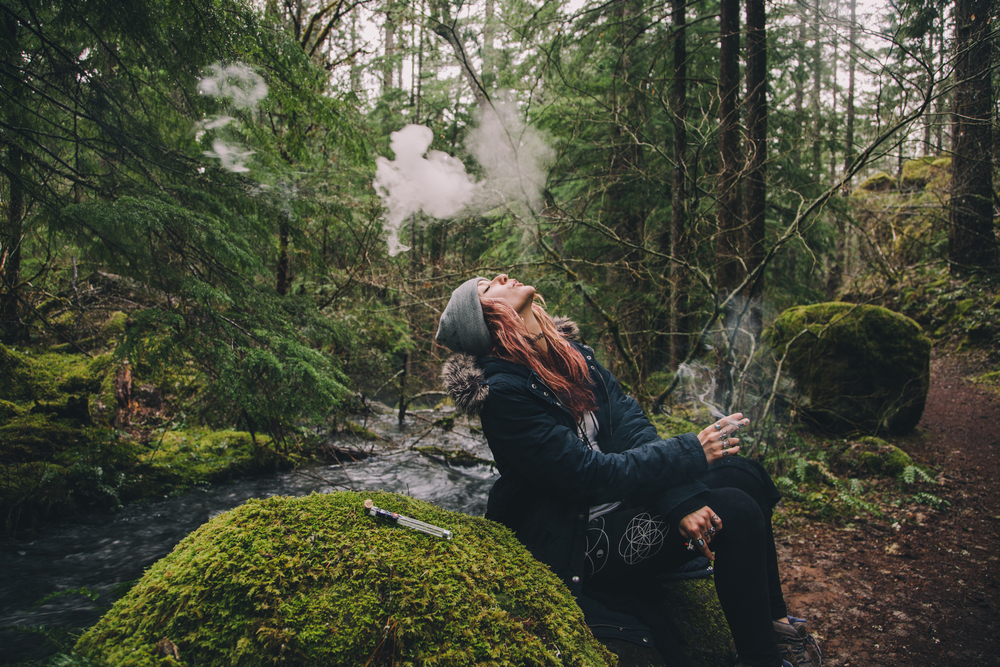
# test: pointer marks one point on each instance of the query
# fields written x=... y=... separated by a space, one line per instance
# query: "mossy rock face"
x=870 y=456
x=316 y=581
x=918 y=174
x=694 y=608
x=37 y=437
x=880 y=182
x=17 y=374
x=859 y=369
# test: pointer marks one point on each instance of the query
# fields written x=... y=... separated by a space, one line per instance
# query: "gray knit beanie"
x=462 y=327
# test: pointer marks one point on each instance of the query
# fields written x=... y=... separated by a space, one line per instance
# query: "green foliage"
x=930 y=499
x=316 y=580
x=197 y=243
x=961 y=313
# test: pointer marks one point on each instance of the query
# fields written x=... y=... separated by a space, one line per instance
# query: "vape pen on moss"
x=414 y=524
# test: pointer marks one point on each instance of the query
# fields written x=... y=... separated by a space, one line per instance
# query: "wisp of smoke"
x=231 y=158
x=241 y=88
x=698 y=383
x=436 y=184
x=239 y=83
x=514 y=159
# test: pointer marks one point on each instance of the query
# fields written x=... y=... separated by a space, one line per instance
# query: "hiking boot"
x=795 y=643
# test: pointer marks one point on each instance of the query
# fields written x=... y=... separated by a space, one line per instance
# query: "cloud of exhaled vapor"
x=436 y=184
x=239 y=87
x=514 y=159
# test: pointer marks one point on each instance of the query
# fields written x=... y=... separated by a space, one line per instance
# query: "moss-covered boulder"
x=316 y=581
x=869 y=456
x=880 y=182
x=857 y=368
x=16 y=376
x=926 y=172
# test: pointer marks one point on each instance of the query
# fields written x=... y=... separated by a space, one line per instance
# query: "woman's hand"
x=700 y=527
x=717 y=440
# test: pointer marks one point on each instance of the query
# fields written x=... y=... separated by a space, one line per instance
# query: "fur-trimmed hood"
x=465 y=380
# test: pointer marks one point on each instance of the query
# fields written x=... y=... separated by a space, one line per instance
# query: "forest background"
x=189 y=206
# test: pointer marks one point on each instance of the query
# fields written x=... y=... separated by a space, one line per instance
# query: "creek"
x=105 y=552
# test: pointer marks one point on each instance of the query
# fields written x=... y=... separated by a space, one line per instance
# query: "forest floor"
x=927 y=592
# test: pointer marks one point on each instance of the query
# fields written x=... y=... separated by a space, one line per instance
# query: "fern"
x=930 y=499
x=911 y=473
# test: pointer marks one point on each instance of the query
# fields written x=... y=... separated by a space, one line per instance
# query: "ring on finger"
x=718 y=426
x=711 y=531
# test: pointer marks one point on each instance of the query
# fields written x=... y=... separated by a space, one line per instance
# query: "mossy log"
x=316 y=581
x=858 y=368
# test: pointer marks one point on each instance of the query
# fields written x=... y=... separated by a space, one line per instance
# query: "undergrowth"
x=844 y=480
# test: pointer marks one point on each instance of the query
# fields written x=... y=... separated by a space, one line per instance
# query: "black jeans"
x=631 y=545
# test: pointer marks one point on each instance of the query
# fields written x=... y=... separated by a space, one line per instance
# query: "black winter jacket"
x=549 y=478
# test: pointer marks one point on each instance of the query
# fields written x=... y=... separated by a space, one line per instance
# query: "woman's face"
x=518 y=295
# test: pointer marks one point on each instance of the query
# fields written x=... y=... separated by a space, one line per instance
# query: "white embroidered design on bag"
x=643 y=538
x=598 y=545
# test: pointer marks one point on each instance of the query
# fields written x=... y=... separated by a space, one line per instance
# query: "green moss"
x=39 y=436
x=357 y=429
x=858 y=368
x=880 y=182
x=669 y=426
x=178 y=459
x=9 y=411
x=879 y=457
x=51 y=468
x=115 y=325
x=695 y=612
x=991 y=381
x=17 y=372
x=316 y=581
x=925 y=172
x=869 y=456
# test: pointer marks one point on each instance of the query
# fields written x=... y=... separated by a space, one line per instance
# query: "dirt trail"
x=927 y=592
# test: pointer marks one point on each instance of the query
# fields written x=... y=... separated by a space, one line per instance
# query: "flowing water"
x=104 y=552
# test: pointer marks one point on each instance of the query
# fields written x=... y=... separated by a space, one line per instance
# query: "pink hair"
x=562 y=367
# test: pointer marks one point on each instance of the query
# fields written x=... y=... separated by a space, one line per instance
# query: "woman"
x=589 y=487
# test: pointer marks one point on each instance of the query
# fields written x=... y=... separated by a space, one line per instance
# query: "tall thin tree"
x=972 y=242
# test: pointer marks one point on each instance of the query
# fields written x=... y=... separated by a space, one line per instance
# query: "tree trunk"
x=850 y=153
x=838 y=263
x=679 y=325
x=729 y=147
x=972 y=243
x=729 y=207
x=12 y=232
x=942 y=101
x=283 y=280
x=834 y=54
x=489 y=53
x=926 y=53
x=756 y=193
x=388 y=69
x=814 y=103
x=355 y=67
x=799 y=98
